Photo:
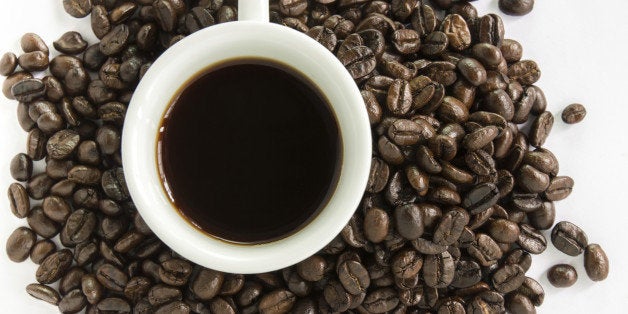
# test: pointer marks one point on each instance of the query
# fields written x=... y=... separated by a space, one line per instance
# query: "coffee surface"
x=249 y=151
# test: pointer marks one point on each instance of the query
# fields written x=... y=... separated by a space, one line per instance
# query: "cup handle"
x=253 y=10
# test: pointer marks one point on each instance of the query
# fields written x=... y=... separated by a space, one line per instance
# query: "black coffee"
x=249 y=151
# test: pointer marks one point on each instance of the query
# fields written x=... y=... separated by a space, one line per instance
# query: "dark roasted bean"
x=562 y=275
x=569 y=238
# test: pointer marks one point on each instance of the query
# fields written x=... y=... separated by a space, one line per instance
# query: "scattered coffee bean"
x=574 y=113
x=8 y=63
x=44 y=293
x=562 y=275
x=569 y=238
x=596 y=262
x=516 y=7
x=71 y=43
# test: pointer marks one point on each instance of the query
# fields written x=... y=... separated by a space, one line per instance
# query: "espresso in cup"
x=249 y=151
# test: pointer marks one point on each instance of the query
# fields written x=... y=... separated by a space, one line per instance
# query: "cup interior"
x=200 y=51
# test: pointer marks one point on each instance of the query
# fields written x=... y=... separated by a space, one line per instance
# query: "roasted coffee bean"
x=531 y=239
x=596 y=262
x=53 y=267
x=487 y=302
x=438 y=270
x=44 y=293
x=485 y=250
x=508 y=278
x=206 y=284
x=472 y=70
x=376 y=224
x=467 y=274
x=92 y=289
x=378 y=177
x=71 y=280
x=12 y=80
x=359 y=61
x=435 y=43
x=28 y=90
x=569 y=238
x=135 y=289
x=115 y=41
x=443 y=147
x=336 y=296
x=41 y=250
x=532 y=290
x=114 y=184
x=452 y=110
x=450 y=226
x=175 y=272
x=562 y=275
x=559 y=188
x=39 y=185
x=490 y=29
x=8 y=63
x=532 y=180
x=77 y=8
x=541 y=127
x=516 y=7
x=18 y=200
x=456 y=29
x=519 y=304
x=62 y=144
x=409 y=221
x=381 y=300
x=324 y=36
x=113 y=305
x=573 y=113
x=503 y=230
x=19 y=244
x=34 y=61
x=277 y=301
x=406 y=264
x=71 y=43
x=111 y=277
x=78 y=227
x=84 y=175
x=313 y=268
x=73 y=302
x=161 y=294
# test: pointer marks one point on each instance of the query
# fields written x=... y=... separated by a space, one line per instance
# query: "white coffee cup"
x=251 y=36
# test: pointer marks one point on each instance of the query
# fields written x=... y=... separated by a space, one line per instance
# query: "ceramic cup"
x=250 y=37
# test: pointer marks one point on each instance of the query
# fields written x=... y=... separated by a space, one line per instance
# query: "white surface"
x=182 y=62
x=581 y=49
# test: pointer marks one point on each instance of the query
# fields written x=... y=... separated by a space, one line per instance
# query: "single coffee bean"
x=468 y=273
x=543 y=218
x=532 y=180
x=73 y=302
x=407 y=132
x=277 y=301
x=111 y=277
x=472 y=70
x=44 y=293
x=71 y=43
x=28 y=90
x=62 y=144
x=18 y=200
x=518 y=303
x=532 y=290
x=562 y=275
x=39 y=185
x=569 y=238
x=435 y=43
x=451 y=226
x=32 y=42
x=596 y=262
x=376 y=225
x=508 y=278
x=559 y=188
x=53 y=267
x=19 y=244
x=12 y=80
x=503 y=230
x=381 y=300
x=438 y=270
x=8 y=63
x=490 y=29
x=409 y=221
x=41 y=250
x=206 y=284
x=78 y=227
x=526 y=202
x=573 y=113
x=115 y=40
x=531 y=239
x=77 y=8
x=485 y=250
x=92 y=289
x=487 y=302
x=516 y=7
x=34 y=61
x=457 y=30
x=113 y=305
x=336 y=296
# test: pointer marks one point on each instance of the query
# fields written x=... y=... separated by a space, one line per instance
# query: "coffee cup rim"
x=147 y=107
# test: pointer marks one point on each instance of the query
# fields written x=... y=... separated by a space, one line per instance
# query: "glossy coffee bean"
x=569 y=238
x=574 y=113
x=562 y=275
x=596 y=262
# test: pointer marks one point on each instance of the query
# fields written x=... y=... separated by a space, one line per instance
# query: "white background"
x=582 y=50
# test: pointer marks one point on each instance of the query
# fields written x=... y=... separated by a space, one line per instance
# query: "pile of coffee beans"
x=455 y=203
